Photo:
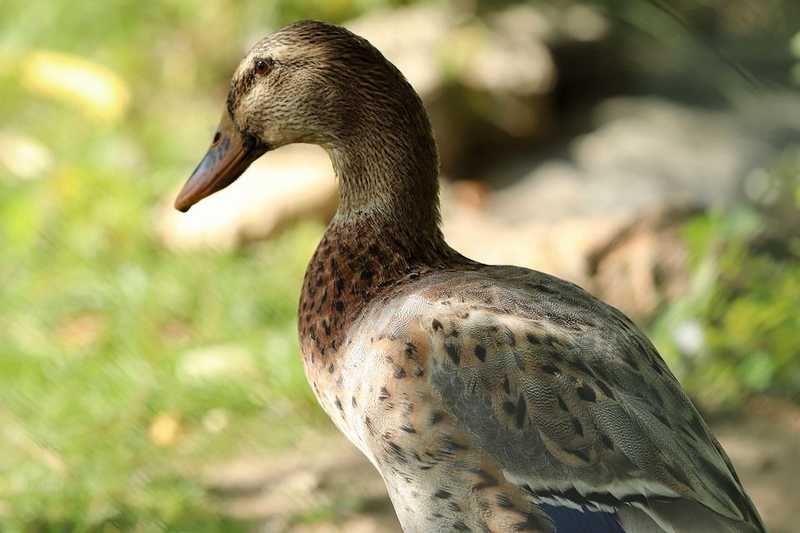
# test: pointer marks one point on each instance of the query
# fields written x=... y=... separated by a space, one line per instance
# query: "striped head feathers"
x=316 y=83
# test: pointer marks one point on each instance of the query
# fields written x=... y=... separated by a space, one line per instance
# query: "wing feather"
x=573 y=400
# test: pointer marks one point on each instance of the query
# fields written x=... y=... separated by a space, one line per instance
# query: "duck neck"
x=389 y=194
x=387 y=167
x=382 y=183
x=386 y=229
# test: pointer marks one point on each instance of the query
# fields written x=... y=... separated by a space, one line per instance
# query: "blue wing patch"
x=568 y=520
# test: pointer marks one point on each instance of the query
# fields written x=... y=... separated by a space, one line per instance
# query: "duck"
x=489 y=398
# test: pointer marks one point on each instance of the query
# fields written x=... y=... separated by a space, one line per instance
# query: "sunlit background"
x=149 y=370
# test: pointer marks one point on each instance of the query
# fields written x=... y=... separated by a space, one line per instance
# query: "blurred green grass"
x=107 y=410
x=96 y=356
x=107 y=413
x=743 y=297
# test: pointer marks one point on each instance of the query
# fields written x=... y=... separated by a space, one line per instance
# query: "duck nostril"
x=217 y=137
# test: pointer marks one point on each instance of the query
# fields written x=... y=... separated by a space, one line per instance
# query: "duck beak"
x=229 y=155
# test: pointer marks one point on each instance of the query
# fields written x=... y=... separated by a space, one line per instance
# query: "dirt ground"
x=326 y=486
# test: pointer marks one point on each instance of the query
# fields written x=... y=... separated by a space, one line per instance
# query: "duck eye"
x=263 y=66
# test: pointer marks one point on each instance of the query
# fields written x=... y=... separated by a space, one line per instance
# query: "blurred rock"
x=643 y=153
x=645 y=264
x=635 y=261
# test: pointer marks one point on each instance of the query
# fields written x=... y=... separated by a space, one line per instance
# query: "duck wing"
x=574 y=403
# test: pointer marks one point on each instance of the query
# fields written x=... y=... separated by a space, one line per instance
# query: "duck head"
x=315 y=83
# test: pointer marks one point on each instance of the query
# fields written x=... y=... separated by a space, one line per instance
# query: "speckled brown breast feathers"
x=352 y=266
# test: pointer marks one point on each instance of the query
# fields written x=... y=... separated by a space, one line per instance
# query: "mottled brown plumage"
x=490 y=398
